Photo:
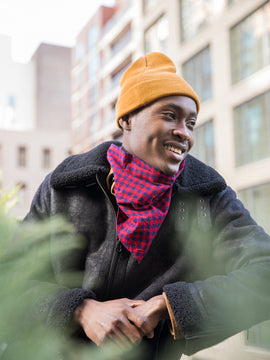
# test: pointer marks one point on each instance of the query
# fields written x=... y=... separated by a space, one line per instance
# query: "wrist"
x=160 y=307
x=78 y=314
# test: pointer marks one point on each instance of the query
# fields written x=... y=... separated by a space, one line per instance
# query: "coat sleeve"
x=59 y=302
x=40 y=206
x=208 y=311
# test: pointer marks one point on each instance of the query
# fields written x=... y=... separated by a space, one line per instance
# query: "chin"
x=170 y=171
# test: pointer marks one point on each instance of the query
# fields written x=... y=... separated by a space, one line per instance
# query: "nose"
x=181 y=131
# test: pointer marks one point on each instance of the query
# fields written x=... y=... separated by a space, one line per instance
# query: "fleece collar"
x=81 y=170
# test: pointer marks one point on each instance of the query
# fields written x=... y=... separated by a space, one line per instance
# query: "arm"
x=123 y=321
x=53 y=301
x=210 y=310
x=110 y=320
x=40 y=206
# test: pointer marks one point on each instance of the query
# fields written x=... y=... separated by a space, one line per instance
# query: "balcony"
x=115 y=18
x=121 y=43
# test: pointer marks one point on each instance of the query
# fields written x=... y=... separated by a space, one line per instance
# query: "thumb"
x=150 y=335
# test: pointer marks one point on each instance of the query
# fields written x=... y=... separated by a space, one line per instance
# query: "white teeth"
x=171 y=148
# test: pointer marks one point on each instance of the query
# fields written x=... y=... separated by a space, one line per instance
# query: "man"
x=172 y=259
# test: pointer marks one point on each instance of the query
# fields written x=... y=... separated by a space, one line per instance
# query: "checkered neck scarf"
x=143 y=195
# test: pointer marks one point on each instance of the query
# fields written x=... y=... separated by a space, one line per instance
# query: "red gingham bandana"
x=143 y=195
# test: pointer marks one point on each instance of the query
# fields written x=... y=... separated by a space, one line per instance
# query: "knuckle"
x=116 y=322
x=111 y=329
x=137 y=339
x=101 y=340
x=143 y=322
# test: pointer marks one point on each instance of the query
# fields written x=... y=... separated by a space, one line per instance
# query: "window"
x=110 y=114
x=80 y=107
x=149 y=4
x=156 y=37
x=196 y=14
x=79 y=79
x=93 y=35
x=46 y=158
x=11 y=102
x=93 y=95
x=121 y=43
x=197 y=72
x=11 y=110
x=94 y=123
x=79 y=51
x=93 y=66
x=256 y=199
x=22 y=154
x=113 y=113
x=204 y=145
x=115 y=79
x=252 y=130
x=81 y=131
x=250 y=44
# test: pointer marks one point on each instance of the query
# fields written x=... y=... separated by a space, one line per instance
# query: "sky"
x=30 y=22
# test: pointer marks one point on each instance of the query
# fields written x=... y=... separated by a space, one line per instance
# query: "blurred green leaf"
x=26 y=280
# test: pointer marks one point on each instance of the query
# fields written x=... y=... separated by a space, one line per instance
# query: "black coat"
x=209 y=256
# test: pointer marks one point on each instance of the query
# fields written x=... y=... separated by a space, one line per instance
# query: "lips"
x=176 y=150
x=173 y=149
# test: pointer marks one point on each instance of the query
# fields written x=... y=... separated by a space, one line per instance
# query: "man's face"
x=162 y=133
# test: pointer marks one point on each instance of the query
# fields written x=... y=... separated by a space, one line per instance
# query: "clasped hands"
x=122 y=321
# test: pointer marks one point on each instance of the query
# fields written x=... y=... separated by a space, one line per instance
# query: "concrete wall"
x=17 y=81
x=53 y=90
x=33 y=173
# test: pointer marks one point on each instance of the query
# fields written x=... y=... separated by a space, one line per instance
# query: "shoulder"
x=81 y=168
x=199 y=178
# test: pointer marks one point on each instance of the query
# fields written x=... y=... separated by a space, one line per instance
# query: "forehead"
x=178 y=101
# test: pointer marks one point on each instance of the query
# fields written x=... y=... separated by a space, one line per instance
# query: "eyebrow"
x=178 y=108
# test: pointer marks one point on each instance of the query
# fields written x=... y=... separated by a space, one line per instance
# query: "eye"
x=169 y=115
x=191 y=123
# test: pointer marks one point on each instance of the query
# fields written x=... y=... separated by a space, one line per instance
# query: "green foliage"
x=25 y=281
x=8 y=198
x=24 y=258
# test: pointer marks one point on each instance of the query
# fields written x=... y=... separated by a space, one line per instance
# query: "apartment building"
x=35 y=118
x=222 y=48
x=105 y=47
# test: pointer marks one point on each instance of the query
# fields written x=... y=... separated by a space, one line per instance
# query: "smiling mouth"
x=174 y=149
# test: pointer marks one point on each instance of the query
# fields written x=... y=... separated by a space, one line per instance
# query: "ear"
x=125 y=122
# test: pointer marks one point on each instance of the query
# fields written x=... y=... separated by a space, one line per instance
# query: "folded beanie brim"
x=148 y=79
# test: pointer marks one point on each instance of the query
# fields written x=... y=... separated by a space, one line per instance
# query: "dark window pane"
x=204 y=146
x=156 y=37
x=197 y=72
x=252 y=130
x=250 y=44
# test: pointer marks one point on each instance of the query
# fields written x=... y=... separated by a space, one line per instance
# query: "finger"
x=133 y=303
x=131 y=331
x=150 y=335
x=140 y=322
x=120 y=339
x=122 y=328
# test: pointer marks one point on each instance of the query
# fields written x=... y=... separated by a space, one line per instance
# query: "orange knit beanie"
x=149 y=78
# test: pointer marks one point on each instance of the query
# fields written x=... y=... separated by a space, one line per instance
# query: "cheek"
x=191 y=141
